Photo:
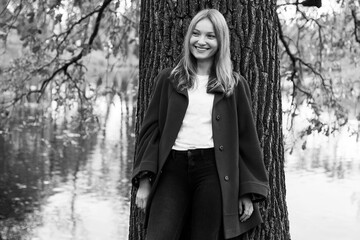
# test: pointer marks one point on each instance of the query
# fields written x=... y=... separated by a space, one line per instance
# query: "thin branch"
x=64 y=68
x=132 y=22
x=67 y=33
x=287 y=49
x=357 y=25
x=83 y=52
x=6 y=5
x=80 y=93
x=294 y=58
x=17 y=15
x=11 y=25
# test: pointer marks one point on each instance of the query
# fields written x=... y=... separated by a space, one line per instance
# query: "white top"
x=196 y=129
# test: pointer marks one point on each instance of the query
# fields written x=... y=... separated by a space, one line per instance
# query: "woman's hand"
x=143 y=192
x=246 y=208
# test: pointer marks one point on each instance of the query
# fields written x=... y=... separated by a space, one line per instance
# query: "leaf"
x=30 y=17
x=34 y=30
x=36 y=48
x=58 y=18
x=303 y=146
x=2 y=34
x=18 y=9
x=117 y=4
x=71 y=48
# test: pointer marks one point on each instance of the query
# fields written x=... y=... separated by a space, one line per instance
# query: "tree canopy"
x=64 y=51
x=319 y=48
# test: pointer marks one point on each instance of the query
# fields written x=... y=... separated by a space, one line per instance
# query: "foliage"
x=319 y=49
x=61 y=44
x=59 y=39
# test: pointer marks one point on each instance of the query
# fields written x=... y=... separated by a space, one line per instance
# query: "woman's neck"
x=203 y=68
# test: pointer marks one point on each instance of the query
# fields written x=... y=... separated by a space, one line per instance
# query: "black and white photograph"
x=179 y=120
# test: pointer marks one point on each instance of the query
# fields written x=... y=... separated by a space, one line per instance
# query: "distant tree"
x=254 y=48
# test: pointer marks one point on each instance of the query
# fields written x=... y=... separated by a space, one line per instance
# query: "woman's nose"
x=201 y=40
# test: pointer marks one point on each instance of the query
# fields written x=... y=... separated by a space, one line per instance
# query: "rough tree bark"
x=254 y=49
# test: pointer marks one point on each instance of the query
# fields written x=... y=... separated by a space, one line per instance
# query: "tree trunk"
x=254 y=49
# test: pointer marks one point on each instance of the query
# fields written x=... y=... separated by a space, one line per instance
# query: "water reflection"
x=337 y=155
x=323 y=187
x=56 y=183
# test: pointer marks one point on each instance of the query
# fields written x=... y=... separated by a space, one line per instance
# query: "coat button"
x=221 y=148
x=218 y=117
x=226 y=178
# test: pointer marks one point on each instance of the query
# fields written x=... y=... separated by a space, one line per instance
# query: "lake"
x=59 y=183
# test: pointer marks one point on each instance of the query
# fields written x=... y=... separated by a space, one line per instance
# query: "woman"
x=199 y=167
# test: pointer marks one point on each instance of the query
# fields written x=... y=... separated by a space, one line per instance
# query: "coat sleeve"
x=253 y=175
x=147 y=151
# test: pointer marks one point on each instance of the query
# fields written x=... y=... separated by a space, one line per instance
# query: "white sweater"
x=196 y=129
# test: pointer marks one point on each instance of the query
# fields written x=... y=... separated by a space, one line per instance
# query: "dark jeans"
x=187 y=202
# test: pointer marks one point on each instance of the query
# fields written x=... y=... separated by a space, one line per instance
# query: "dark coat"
x=238 y=153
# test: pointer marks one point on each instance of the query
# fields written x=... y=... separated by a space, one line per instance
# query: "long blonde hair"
x=221 y=76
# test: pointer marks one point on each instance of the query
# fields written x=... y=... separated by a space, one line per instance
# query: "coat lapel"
x=178 y=103
x=219 y=93
x=217 y=98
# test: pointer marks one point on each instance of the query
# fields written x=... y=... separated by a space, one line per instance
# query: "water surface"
x=56 y=182
x=59 y=183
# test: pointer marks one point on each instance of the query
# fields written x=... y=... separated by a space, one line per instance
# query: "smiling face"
x=203 y=41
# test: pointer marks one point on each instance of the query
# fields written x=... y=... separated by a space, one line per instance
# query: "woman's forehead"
x=205 y=25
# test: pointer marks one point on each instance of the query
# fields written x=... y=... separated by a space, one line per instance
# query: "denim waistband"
x=193 y=152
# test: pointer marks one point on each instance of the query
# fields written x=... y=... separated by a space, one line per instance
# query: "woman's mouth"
x=201 y=49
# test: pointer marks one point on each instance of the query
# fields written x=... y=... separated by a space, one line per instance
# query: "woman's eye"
x=195 y=33
x=211 y=36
